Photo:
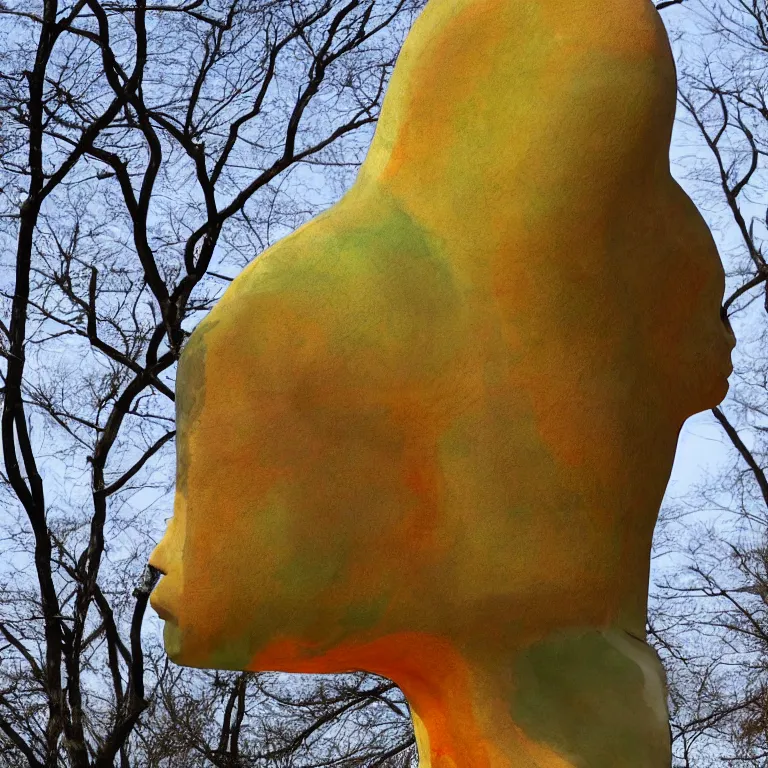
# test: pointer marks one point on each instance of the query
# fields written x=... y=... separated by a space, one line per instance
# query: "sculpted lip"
x=163 y=613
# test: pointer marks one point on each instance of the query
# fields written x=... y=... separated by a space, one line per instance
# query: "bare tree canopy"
x=147 y=153
x=709 y=599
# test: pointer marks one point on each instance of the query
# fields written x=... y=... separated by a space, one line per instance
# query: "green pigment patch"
x=578 y=693
x=190 y=396
x=364 y=614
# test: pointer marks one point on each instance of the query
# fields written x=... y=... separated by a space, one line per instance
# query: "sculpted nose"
x=162 y=556
x=157 y=559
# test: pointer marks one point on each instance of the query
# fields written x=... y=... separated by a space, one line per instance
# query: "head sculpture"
x=427 y=434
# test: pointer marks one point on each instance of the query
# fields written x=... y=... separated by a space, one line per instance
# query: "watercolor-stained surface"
x=428 y=433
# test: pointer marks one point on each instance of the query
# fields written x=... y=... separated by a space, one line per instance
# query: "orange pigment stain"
x=415 y=661
x=421 y=478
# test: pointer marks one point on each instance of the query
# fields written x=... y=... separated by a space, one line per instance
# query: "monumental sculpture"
x=427 y=434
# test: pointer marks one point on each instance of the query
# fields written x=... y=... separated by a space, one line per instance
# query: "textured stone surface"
x=428 y=433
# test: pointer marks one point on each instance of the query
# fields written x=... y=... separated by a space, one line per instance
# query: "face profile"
x=427 y=434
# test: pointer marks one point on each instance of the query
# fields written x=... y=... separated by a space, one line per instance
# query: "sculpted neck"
x=461 y=713
x=578 y=696
x=574 y=696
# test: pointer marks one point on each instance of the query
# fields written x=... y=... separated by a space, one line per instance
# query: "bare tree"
x=709 y=617
x=240 y=719
x=147 y=153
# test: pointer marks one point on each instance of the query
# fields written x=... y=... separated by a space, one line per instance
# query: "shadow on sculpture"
x=427 y=434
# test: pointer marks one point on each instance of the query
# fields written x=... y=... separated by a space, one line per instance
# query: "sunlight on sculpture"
x=427 y=434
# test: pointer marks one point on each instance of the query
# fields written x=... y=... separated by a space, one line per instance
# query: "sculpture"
x=428 y=433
